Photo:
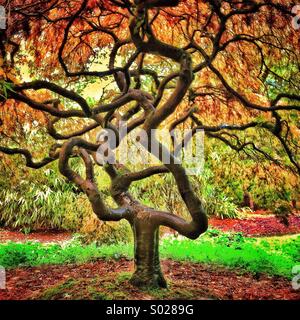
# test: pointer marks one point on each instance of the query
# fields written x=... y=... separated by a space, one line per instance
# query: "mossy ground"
x=115 y=286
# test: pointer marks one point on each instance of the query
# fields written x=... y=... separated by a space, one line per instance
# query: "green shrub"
x=100 y=232
x=42 y=201
x=162 y=193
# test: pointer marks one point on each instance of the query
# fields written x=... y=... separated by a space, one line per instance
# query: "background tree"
x=171 y=62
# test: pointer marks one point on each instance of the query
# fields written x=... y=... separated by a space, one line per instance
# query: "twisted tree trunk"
x=146 y=255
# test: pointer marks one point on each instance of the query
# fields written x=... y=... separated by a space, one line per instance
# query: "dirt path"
x=109 y=280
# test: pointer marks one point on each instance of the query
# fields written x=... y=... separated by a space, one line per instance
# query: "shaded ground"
x=258 y=226
x=108 y=279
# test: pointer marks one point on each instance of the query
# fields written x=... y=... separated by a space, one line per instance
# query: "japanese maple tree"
x=231 y=68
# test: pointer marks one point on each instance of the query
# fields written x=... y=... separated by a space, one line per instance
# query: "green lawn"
x=274 y=256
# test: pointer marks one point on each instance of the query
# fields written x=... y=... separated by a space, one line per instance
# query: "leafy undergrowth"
x=108 y=279
x=258 y=226
x=272 y=256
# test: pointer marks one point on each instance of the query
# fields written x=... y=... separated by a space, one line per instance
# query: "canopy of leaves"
x=245 y=58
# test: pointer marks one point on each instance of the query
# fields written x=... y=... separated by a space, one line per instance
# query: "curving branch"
x=88 y=185
x=39 y=84
x=29 y=158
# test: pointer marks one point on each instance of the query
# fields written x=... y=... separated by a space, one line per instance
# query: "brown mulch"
x=202 y=281
x=45 y=236
x=258 y=226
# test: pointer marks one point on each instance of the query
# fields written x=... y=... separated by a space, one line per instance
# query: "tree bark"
x=146 y=254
